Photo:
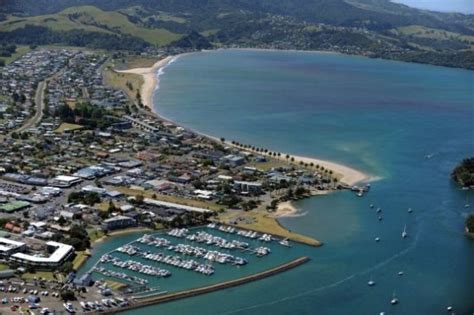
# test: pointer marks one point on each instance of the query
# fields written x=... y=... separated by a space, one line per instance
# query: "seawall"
x=138 y=303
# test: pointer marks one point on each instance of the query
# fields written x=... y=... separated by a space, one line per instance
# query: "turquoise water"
x=181 y=279
x=379 y=116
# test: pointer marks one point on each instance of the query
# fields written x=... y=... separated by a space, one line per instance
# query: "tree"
x=139 y=199
x=68 y=295
x=464 y=172
x=470 y=223
x=111 y=207
x=66 y=268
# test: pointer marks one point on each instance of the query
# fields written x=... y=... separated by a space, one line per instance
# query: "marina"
x=203 y=256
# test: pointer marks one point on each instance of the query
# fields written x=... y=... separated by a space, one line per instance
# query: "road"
x=39 y=103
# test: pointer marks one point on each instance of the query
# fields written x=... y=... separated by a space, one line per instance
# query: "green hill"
x=375 y=28
x=91 y=19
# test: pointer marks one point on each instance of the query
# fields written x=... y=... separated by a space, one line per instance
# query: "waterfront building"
x=59 y=253
x=118 y=222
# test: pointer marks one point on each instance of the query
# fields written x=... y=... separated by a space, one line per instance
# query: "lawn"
x=4 y=267
x=79 y=260
x=132 y=62
x=68 y=127
x=262 y=222
x=48 y=275
x=119 y=81
x=94 y=234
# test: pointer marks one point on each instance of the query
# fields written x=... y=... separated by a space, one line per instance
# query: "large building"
x=59 y=253
x=118 y=222
x=9 y=247
x=64 y=181
x=248 y=187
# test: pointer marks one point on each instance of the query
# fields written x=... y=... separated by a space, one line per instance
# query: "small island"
x=470 y=226
x=464 y=173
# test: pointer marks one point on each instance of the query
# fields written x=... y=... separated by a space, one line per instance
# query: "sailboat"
x=371 y=282
x=394 y=299
x=404 y=233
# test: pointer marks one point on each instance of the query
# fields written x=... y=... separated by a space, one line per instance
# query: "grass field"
x=20 y=51
x=79 y=260
x=4 y=267
x=48 y=275
x=182 y=201
x=91 y=19
x=94 y=234
x=131 y=62
x=433 y=33
x=262 y=222
x=67 y=127
x=119 y=80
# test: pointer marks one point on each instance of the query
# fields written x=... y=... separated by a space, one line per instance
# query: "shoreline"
x=150 y=79
x=153 y=300
x=287 y=209
x=121 y=233
x=348 y=175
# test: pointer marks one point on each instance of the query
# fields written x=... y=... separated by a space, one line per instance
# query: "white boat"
x=377 y=239
x=84 y=305
x=394 y=299
x=371 y=282
x=69 y=307
x=410 y=210
x=400 y=273
x=285 y=242
x=449 y=308
x=404 y=233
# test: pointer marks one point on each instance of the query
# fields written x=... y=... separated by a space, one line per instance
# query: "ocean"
x=407 y=125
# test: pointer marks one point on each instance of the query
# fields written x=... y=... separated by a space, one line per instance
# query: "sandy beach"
x=150 y=79
x=347 y=175
x=285 y=209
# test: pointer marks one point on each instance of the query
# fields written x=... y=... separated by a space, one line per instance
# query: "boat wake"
x=334 y=284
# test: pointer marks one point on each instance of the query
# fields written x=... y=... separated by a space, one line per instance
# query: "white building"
x=8 y=246
x=59 y=253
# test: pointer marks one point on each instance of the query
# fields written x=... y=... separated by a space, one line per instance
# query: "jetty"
x=146 y=301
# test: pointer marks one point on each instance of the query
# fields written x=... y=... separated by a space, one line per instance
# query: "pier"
x=147 y=301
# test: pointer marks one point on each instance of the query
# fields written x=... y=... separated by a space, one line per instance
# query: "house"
x=233 y=160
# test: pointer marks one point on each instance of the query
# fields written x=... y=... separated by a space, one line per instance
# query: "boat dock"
x=142 y=302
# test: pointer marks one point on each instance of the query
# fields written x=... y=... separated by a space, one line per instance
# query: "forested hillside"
x=375 y=28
